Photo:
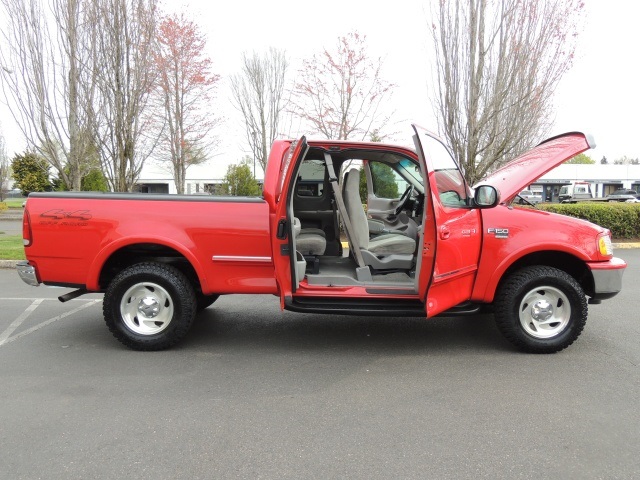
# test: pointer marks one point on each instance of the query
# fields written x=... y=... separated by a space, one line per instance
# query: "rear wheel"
x=540 y=309
x=149 y=306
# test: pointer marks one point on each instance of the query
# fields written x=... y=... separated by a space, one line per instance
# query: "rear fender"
x=103 y=256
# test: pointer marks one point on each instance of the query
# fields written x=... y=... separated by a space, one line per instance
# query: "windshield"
x=409 y=170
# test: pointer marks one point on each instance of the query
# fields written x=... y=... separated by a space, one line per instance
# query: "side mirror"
x=486 y=196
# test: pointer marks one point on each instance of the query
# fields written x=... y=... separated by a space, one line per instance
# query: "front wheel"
x=540 y=309
x=149 y=306
x=205 y=301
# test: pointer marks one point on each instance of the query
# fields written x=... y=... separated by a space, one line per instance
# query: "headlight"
x=604 y=246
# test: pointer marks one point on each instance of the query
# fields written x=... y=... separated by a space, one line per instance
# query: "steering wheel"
x=403 y=199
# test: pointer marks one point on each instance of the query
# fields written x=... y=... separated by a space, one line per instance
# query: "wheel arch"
x=561 y=260
x=120 y=255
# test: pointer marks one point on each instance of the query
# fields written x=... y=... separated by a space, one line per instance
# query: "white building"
x=200 y=178
x=604 y=179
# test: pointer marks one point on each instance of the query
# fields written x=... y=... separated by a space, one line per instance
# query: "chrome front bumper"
x=27 y=273
x=607 y=277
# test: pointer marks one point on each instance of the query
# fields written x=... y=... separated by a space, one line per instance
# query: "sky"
x=600 y=95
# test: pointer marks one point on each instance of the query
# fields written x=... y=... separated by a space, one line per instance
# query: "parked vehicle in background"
x=622 y=195
x=575 y=192
x=527 y=196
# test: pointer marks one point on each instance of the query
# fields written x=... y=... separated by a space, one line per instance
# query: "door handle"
x=444 y=232
x=281 y=233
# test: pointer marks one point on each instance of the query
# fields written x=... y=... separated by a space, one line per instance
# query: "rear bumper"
x=27 y=273
x=607 y=278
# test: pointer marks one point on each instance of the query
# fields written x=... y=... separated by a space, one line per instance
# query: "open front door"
x=455 y=250
x=283 y=243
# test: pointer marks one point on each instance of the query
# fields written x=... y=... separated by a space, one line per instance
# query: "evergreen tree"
x=581 y=159
x=31 y=173
x=239 y=181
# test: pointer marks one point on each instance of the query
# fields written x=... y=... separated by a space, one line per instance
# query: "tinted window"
x=450 y=182
x=387 y=183
x=311 y=179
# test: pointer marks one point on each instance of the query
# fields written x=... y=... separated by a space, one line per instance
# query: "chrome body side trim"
x=240 y=259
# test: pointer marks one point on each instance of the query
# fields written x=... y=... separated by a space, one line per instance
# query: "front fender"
x=487 y=283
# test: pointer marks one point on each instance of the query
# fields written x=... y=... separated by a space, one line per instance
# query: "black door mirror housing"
x=486 y=196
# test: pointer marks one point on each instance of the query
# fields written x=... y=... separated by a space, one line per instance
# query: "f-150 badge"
x=499 y=232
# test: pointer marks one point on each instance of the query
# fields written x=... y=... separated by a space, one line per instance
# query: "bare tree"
x=185 y=88
x=498 y=63
x=5 y=170
x=340 y=93
x=258 y=92
x=124 y=75
x=45 y=61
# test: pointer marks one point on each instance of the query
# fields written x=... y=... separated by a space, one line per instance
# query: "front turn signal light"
x=604 y=246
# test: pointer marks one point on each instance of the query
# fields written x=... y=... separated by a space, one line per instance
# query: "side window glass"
x=452 y=190
x=311 y=179
x=387 y=183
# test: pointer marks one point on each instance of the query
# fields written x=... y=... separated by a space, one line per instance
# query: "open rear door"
x=454 y=251
x=282 y=221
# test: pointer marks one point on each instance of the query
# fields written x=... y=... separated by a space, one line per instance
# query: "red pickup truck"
x=427 y=244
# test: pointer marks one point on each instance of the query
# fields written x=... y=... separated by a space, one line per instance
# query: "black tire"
x=540 y=309
x=160 y=319
x=205 y=301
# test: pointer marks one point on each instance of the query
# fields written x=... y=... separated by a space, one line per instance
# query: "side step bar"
x=464 y=309
x=375 y=307
x=355 y=306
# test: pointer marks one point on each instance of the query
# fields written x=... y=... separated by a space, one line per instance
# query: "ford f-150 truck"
x=427 y=245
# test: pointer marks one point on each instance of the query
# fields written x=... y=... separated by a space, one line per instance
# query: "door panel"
x=458 y=228
x=281 y=222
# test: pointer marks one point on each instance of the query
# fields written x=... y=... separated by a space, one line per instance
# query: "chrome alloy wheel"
x=146 y=308
x=544 y=312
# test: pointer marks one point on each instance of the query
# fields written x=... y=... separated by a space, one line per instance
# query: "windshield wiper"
x=526 y=201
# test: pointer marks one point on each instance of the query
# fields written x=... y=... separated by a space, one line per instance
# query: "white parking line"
x=5 y=339
x=21 y=318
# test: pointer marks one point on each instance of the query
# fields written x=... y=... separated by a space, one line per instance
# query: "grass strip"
x=14 y=202
x=11 y=247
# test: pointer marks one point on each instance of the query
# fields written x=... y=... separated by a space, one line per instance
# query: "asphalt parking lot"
x=254 y=392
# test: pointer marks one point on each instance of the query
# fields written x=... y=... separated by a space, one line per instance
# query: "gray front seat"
x=387 y=251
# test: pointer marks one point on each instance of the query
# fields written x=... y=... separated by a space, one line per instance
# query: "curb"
x=11 y=216
x=624 y=246
x=9 y=263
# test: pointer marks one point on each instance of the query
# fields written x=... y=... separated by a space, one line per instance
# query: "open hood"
x=528 y=167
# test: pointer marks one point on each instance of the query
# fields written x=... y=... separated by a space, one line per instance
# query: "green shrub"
x=3 y=206
x=623 y=219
